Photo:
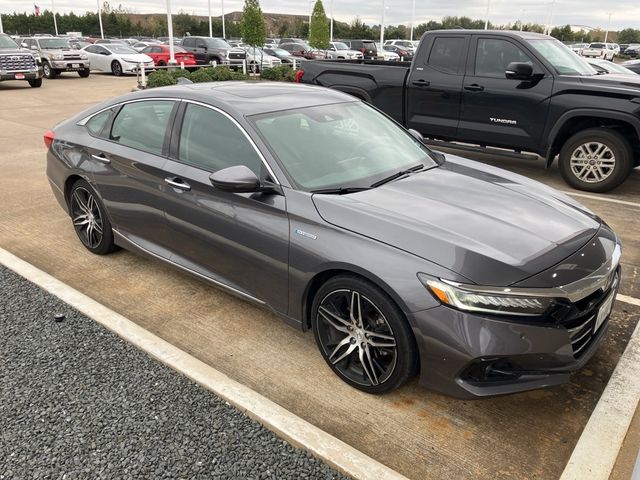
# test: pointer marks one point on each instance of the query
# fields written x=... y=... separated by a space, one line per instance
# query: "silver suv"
x=57 y=56
x=18 y=64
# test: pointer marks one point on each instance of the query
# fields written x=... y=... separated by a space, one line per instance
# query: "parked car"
x=633 y=65
x=321 y=209
x=257 y=58
x=340 y=51
x=207 y=50
x=368 y=48
x=160 y=55
x=110 y=41
x=518 y=93
x=604 y=66
x=292 y=40
x=18 y=63
x=58 y=57
x=406 y=45
x=283 y=55
x=404 y=55
x=633 y=51
x=578 y=47
x=139 y=46
x=303 y=50
x=386 y=55
x=116 y=58
x=598 y=50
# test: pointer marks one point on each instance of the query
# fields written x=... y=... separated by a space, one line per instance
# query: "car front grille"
x=237 y=56
x=72 y=57
x=17 y=62
x=581 y=321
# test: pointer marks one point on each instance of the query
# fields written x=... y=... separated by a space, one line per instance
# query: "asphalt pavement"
x=76 y=401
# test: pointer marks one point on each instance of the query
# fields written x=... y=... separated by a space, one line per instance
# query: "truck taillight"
x=48 y=138
x=363 y=49
x=299 y=75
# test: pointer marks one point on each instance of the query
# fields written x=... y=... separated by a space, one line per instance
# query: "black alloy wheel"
x=362 y=335
x=89 y=219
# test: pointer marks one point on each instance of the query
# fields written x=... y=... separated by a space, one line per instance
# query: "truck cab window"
x=446 y=54
x=494 y=55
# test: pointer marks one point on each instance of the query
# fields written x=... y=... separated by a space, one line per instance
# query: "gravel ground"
x=76 y=401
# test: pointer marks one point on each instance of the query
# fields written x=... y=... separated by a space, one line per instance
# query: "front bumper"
x=70 y=65
x=28 y=74
x=472 y=355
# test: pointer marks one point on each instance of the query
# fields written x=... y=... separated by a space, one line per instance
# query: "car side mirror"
x=33 y=47
x=417 y=135
x=519 y=71
x=24 y=45
x=237 y=179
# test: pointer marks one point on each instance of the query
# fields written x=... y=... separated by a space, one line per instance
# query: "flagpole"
x=210 y=24
x=172 y=56
x=100 y=18
x=224 y=33
x=55 y=22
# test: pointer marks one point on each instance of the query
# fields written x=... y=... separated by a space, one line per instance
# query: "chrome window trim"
x=243 y=130
x=84 y=121
x=574 y=292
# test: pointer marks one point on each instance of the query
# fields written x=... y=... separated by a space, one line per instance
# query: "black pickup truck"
x=511 y=90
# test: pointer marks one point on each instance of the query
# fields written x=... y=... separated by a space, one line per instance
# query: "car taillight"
x=299 y=75
x=363 y=49
x=48 y=138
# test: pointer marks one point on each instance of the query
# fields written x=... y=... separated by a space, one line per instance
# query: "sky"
x=593 y=13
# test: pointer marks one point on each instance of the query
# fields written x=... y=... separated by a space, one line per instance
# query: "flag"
x=36 y=9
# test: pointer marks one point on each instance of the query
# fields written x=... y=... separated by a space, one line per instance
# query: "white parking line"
x=292 y=428
x=595 y=454
x=602 y=199
x=627 y=299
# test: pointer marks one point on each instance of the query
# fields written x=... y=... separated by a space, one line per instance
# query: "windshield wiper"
x=340 y=190
x=397 y=175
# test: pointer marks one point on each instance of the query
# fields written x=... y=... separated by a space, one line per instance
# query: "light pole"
x=413 y=17
x=522 y=19
x=606 y=34
x=172 y=56
x=1 y=29
x=549 y=26
x=55 y=22
x=382 y=27
x=224 y=33
x=331 y=32
x=100 y=18
x=210 y=25
x=486 y=22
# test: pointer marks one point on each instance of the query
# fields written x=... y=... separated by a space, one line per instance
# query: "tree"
x=629 y=35
x=319 y=27
x=254 y=31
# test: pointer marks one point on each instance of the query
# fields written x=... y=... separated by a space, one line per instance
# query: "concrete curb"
x=290 y=427
x=595 y=454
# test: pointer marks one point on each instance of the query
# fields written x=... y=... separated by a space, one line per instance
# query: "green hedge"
x=163 y=78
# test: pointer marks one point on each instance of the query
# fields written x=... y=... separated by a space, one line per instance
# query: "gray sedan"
x=322 y=209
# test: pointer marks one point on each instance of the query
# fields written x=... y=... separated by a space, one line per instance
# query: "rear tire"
x=36 y=82
x=596 y=160
x=90 y=220
x=116 y=68
x=367 y=342
x=84 y=73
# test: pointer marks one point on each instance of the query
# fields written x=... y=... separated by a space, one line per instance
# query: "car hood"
x=490 y=226
x=135 y=57
x=612 y=80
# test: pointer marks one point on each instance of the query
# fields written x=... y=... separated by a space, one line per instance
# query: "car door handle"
x=474 y=87
x=101 y=158
x=421 y=83
x=178 y=183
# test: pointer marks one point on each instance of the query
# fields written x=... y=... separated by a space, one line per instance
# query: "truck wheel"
x=84 y=73
x=36 y=82
x=48 y=71
x=116 y=68
x=596 y=160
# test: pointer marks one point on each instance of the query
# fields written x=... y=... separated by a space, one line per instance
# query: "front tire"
x=36 y=82
x=48 y=71
x=84 y=73
x=116 y=68
x=363 y=335
x=596 y=160
x=90 y=220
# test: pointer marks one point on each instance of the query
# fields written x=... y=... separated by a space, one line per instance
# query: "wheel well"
x=68 y=183
x=577 y=124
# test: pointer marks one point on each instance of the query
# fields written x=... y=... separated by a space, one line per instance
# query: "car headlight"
x=57 y=56
x=508 y=301
x=83 y=57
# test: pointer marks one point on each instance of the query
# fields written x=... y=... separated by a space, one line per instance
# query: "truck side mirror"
x=519 y=71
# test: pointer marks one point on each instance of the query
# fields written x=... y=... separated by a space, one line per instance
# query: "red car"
x=160 y=55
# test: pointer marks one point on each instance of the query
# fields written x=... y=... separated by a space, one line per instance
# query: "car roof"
x=248 y=98
x=502 y=33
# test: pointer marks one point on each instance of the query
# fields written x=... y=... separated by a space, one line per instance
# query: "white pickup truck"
x=599 y=50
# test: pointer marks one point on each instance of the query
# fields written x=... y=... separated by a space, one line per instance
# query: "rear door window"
x=447 y=54
x=143 y=125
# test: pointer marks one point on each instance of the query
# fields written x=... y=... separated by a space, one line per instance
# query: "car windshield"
x=279 y=52
x=120 y=49
x=345 y=145
x=562 y=57
x=217 y=43
x=7 y=42
x=597 y=45
x=51 y=43
x=340 y=46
